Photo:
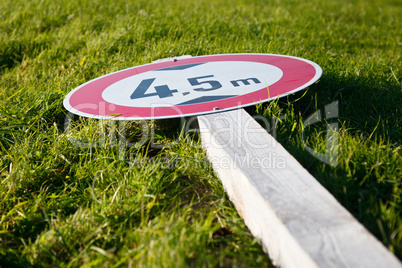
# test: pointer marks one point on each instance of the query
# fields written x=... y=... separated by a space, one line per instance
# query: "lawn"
x=65 y=203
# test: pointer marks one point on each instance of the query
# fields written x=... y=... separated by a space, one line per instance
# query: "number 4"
x=161 y=91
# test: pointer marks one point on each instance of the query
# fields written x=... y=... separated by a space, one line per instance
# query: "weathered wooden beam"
x=298 y=222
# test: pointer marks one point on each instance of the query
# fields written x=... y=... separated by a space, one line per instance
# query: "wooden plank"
x=298 y=222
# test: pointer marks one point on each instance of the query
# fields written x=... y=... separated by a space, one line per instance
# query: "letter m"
x=244 y=81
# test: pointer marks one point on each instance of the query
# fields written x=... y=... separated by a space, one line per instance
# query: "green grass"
x=61 y=205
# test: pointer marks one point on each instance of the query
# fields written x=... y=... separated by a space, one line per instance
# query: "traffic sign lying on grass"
x=191 y=86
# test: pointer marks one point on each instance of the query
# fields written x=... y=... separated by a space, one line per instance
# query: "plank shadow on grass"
x=367 y=179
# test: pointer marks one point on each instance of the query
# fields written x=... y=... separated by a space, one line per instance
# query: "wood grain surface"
x=298 y=222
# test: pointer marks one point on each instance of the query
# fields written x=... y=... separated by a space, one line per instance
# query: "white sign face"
x=191 y=86
x=192 y=83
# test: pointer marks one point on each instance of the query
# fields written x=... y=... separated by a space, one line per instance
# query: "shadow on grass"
x=12 y=53
x=367 y=107
x=12 y=259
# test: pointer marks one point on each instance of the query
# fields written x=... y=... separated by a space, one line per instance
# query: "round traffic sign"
x=191 y=86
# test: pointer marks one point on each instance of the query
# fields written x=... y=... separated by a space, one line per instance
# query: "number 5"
x=214 y=84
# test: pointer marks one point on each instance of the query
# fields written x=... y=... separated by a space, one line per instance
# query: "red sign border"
x=298 y=73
